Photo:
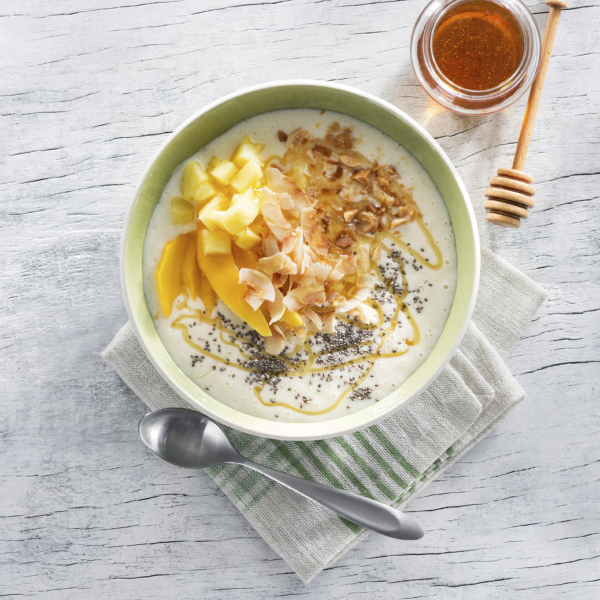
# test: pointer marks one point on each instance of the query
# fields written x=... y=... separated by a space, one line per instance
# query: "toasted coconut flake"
x=286 y=202
x=302 y=296
x=348 y=265
x=377 y=254
x=308 y=221
x=259 y=286
x=281 y=184
x=252 y=298
x=275 y=220
x=364 y=259
x=365 y=313
x=269 y=245
x=321 y=271
x=329 y=322
x=319 y=243
x=276 y=307
x=278 y=263
x=306 y=260
x=314 y=317
x=335 y=275
x=275 y=343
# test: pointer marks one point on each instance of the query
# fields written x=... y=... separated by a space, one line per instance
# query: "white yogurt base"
x=227 y=383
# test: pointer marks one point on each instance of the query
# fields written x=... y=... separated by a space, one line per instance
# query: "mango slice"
x=243 y=259
x=190 y=271
x=194 y=279
x=168 y=272
x=223 y=276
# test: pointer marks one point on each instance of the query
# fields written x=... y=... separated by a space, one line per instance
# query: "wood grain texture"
x=88 y=91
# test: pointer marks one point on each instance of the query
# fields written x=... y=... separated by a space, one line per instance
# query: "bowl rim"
x=323 y=429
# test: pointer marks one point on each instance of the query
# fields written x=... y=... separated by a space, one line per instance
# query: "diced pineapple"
x=205 y=191
x=182 y=211
x=249 y=174
x=224 y=171
x=212 y=219
x=214 y=162
x=243 y=210
x=193 y=177
x=246 y=239
x=247 y=151
x=215 y=242
x=219 y=203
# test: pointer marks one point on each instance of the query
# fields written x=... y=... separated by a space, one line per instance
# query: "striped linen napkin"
x=390 y=461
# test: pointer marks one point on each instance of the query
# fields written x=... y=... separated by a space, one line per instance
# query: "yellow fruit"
x=224 y=171
x=182 y=211
x=224 y=277
x=215 y=242
x=192 y=178
x=168 y=272
x=243 y=210
x=298 y=177
x=293 y=319
x=249 y=174
x=214 y=161
x=194 y=279
x=205 y=191
x=246 y=239
x=190 y=271
x=219 y=203
x=244 y=259
x=246 y=151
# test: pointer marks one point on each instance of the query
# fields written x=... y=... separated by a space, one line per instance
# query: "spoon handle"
x=358 y=509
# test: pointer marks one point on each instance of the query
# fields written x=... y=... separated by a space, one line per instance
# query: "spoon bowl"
x=186 y=438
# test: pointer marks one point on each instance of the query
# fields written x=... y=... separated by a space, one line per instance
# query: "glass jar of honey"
x=475 y=56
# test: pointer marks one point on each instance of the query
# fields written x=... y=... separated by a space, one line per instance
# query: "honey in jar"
x=478 y=45
x=475 y=56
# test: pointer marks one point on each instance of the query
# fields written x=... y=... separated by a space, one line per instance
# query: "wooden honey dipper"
x=511 y=193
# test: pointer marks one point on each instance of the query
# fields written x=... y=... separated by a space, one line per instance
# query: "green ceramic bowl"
x=217 y=118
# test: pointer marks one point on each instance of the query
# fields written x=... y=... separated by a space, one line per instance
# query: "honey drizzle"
x=305 y=366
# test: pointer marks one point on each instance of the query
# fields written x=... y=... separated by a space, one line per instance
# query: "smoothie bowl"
x=300 y=260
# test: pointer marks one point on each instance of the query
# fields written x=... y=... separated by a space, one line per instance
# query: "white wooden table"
x=89 y=89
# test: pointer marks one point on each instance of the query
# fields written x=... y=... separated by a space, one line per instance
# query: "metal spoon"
x=189 y=439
